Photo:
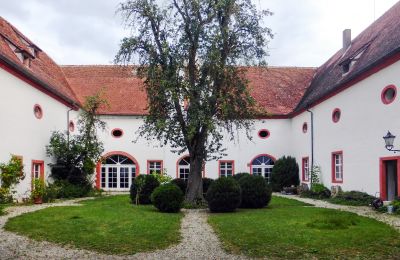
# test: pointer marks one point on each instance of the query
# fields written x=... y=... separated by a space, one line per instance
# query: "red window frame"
x=384 y=99
x=264 y=130
x=41 y=173
x=226 y=161
x=334 y=119
x=117 y=129
x=303 y=169
x=333 y=161
x=39 y=113
x=154 y=161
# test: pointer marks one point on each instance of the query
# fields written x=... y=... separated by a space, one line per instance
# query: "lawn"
x=108 y=225
x=2 y=209
x=289 y=229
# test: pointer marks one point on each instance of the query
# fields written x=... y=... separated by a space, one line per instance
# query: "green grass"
x=289 y=230
x=2 y=210
x=108 y=225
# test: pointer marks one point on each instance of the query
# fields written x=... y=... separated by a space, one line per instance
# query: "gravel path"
x=392 y=220
x=198 y=241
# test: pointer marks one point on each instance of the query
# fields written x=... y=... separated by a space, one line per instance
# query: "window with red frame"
x=226 y=168
x=337 y=167
x=305 y=169
x=154 y=167
x=37 y=170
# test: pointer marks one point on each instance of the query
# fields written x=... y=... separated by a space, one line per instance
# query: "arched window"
x=117 y=172
x=262 y=165
x=184 y=168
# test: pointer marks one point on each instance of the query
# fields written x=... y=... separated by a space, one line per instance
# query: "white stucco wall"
x=364 y=121
x=21 y=132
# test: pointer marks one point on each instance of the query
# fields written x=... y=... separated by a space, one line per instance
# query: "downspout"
x=312 y=142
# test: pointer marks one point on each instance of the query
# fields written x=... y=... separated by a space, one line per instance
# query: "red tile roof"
x=43 y=70
x=277 y=89
x=124 y=92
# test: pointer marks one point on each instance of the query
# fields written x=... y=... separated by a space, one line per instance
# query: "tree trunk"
x=194 y=191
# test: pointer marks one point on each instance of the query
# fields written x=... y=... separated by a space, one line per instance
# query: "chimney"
x=346 y=39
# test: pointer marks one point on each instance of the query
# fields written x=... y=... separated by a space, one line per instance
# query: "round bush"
x=206 y=184
x=239 y=175
x=256 y=193
x=223 y=195
x=181 y=183
x=148 y=183
x=167 y=198
x=285 y=173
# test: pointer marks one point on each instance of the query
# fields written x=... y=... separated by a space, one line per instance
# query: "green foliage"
x=256 y=193
x=168 y=198
x=62 y=189
x=288 y=227
x=142 y=187
x=163 y=178
x=352 y=198
x=190 y=52
x=11 y=173
x=315 y=174
x=38 y=189
x=224 y=195
x=2 y=210
x=181 y=183
x=317 y=191
x=76 y=155
x=239 y=175
x=285 y=173
x=206 y=184
x=109 y=225
x=5 y=195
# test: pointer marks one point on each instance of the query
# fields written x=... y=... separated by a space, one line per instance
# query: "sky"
x=306 y=32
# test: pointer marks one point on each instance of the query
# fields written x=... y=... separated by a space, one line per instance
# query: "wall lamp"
x=389 y=140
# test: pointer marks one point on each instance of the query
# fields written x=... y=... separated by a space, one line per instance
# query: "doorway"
x=389 y=178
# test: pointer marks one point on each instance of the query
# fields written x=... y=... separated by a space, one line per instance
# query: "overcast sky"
x=307 y=32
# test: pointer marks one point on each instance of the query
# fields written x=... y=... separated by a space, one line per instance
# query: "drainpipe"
x=312 y=142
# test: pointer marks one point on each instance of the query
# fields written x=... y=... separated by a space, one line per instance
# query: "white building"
x=352 y=98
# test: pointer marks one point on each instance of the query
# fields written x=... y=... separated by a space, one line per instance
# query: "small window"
x=305 y=127
x=305 y=169
x=388 y=94
x=71 y=126
x=337 y=167
x=154 y=167
x=336 y=115
x=37 y=170
x=226 y=168
x=37 y=111
x=263 y=133
x=117 y=133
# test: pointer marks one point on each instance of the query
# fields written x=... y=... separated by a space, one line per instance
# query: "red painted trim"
x=334 y=119
x=148 y=165
x=334 y=180
x=98 y=165
x=117 y=129
x=266 y=130
x=226 y=161
x=383 y=98
x=264 y=154
x=383 y=64
x=71 y=126
x=177 y=164
x=305 y=127
x=382 y=175
x=35 y=85
x=40 y=113
x=41 y=170
x=303 y=173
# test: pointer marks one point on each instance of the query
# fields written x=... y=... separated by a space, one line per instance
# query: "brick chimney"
x=346 y=39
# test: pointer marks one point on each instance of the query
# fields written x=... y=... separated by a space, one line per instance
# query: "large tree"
x=190 y=55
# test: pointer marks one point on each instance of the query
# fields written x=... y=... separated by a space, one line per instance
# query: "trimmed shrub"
x=317 y=191
x=62 y=189
x=146 y=184
x=285 y=173
x=224 y=195
x=256 y=193
x=181 y=183
x=206 y=184
x=239 y=175
x=168 y=198
x=353 y=198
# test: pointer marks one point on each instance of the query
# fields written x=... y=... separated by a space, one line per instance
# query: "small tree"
x=190 y=52
x=76 y=156
x=11 y=174
x=285 y=173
